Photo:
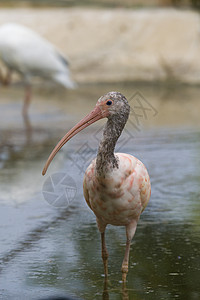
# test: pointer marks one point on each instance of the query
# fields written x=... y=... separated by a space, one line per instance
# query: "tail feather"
x=65 y=80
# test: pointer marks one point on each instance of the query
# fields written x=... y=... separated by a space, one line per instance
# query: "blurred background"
x=150 y=52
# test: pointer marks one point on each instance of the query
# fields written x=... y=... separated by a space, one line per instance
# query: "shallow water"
x=55 y=249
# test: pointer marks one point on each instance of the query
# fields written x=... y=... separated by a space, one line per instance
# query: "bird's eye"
x=109 y=102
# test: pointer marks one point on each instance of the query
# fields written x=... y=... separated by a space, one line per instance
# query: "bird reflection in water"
x=105 y=294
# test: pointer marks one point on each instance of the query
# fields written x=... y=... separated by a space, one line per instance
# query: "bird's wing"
x=63 y=59
x=88 y=181
x=136 y=178
x=85 y=192
x=140 y=172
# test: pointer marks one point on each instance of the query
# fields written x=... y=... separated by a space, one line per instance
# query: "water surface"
x=46 y=250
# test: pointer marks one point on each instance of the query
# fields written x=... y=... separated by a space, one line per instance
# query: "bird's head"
x=112 y=105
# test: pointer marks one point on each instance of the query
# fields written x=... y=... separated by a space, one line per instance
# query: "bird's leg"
x=125 y=295
x=27 y=100
x=1 y=76
x=105 y=295
x=28 y=129
x=7 y=79
x=104 y=253
x=126 y=260
x=130 y=231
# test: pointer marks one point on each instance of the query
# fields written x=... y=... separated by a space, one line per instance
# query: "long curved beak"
x=95 y=115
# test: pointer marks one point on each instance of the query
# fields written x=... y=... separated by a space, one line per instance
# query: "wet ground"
x=54 y=249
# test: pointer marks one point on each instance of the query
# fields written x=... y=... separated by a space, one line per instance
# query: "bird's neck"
x=106 y=160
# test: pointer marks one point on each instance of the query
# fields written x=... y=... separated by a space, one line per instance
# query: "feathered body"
x=24 y=51
x=116 y=185
x=121 y=195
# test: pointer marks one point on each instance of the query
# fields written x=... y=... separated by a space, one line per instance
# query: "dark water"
x=47 y=250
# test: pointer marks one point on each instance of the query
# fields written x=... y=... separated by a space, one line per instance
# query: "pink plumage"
x=121 y=195
x=116 y=185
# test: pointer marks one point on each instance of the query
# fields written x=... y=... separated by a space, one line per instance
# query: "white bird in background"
x=24 y=51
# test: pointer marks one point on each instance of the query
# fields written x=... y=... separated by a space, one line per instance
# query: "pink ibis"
x=116 y=185
x=24 y=51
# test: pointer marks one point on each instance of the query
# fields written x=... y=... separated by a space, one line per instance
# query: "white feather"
x=24 y=51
